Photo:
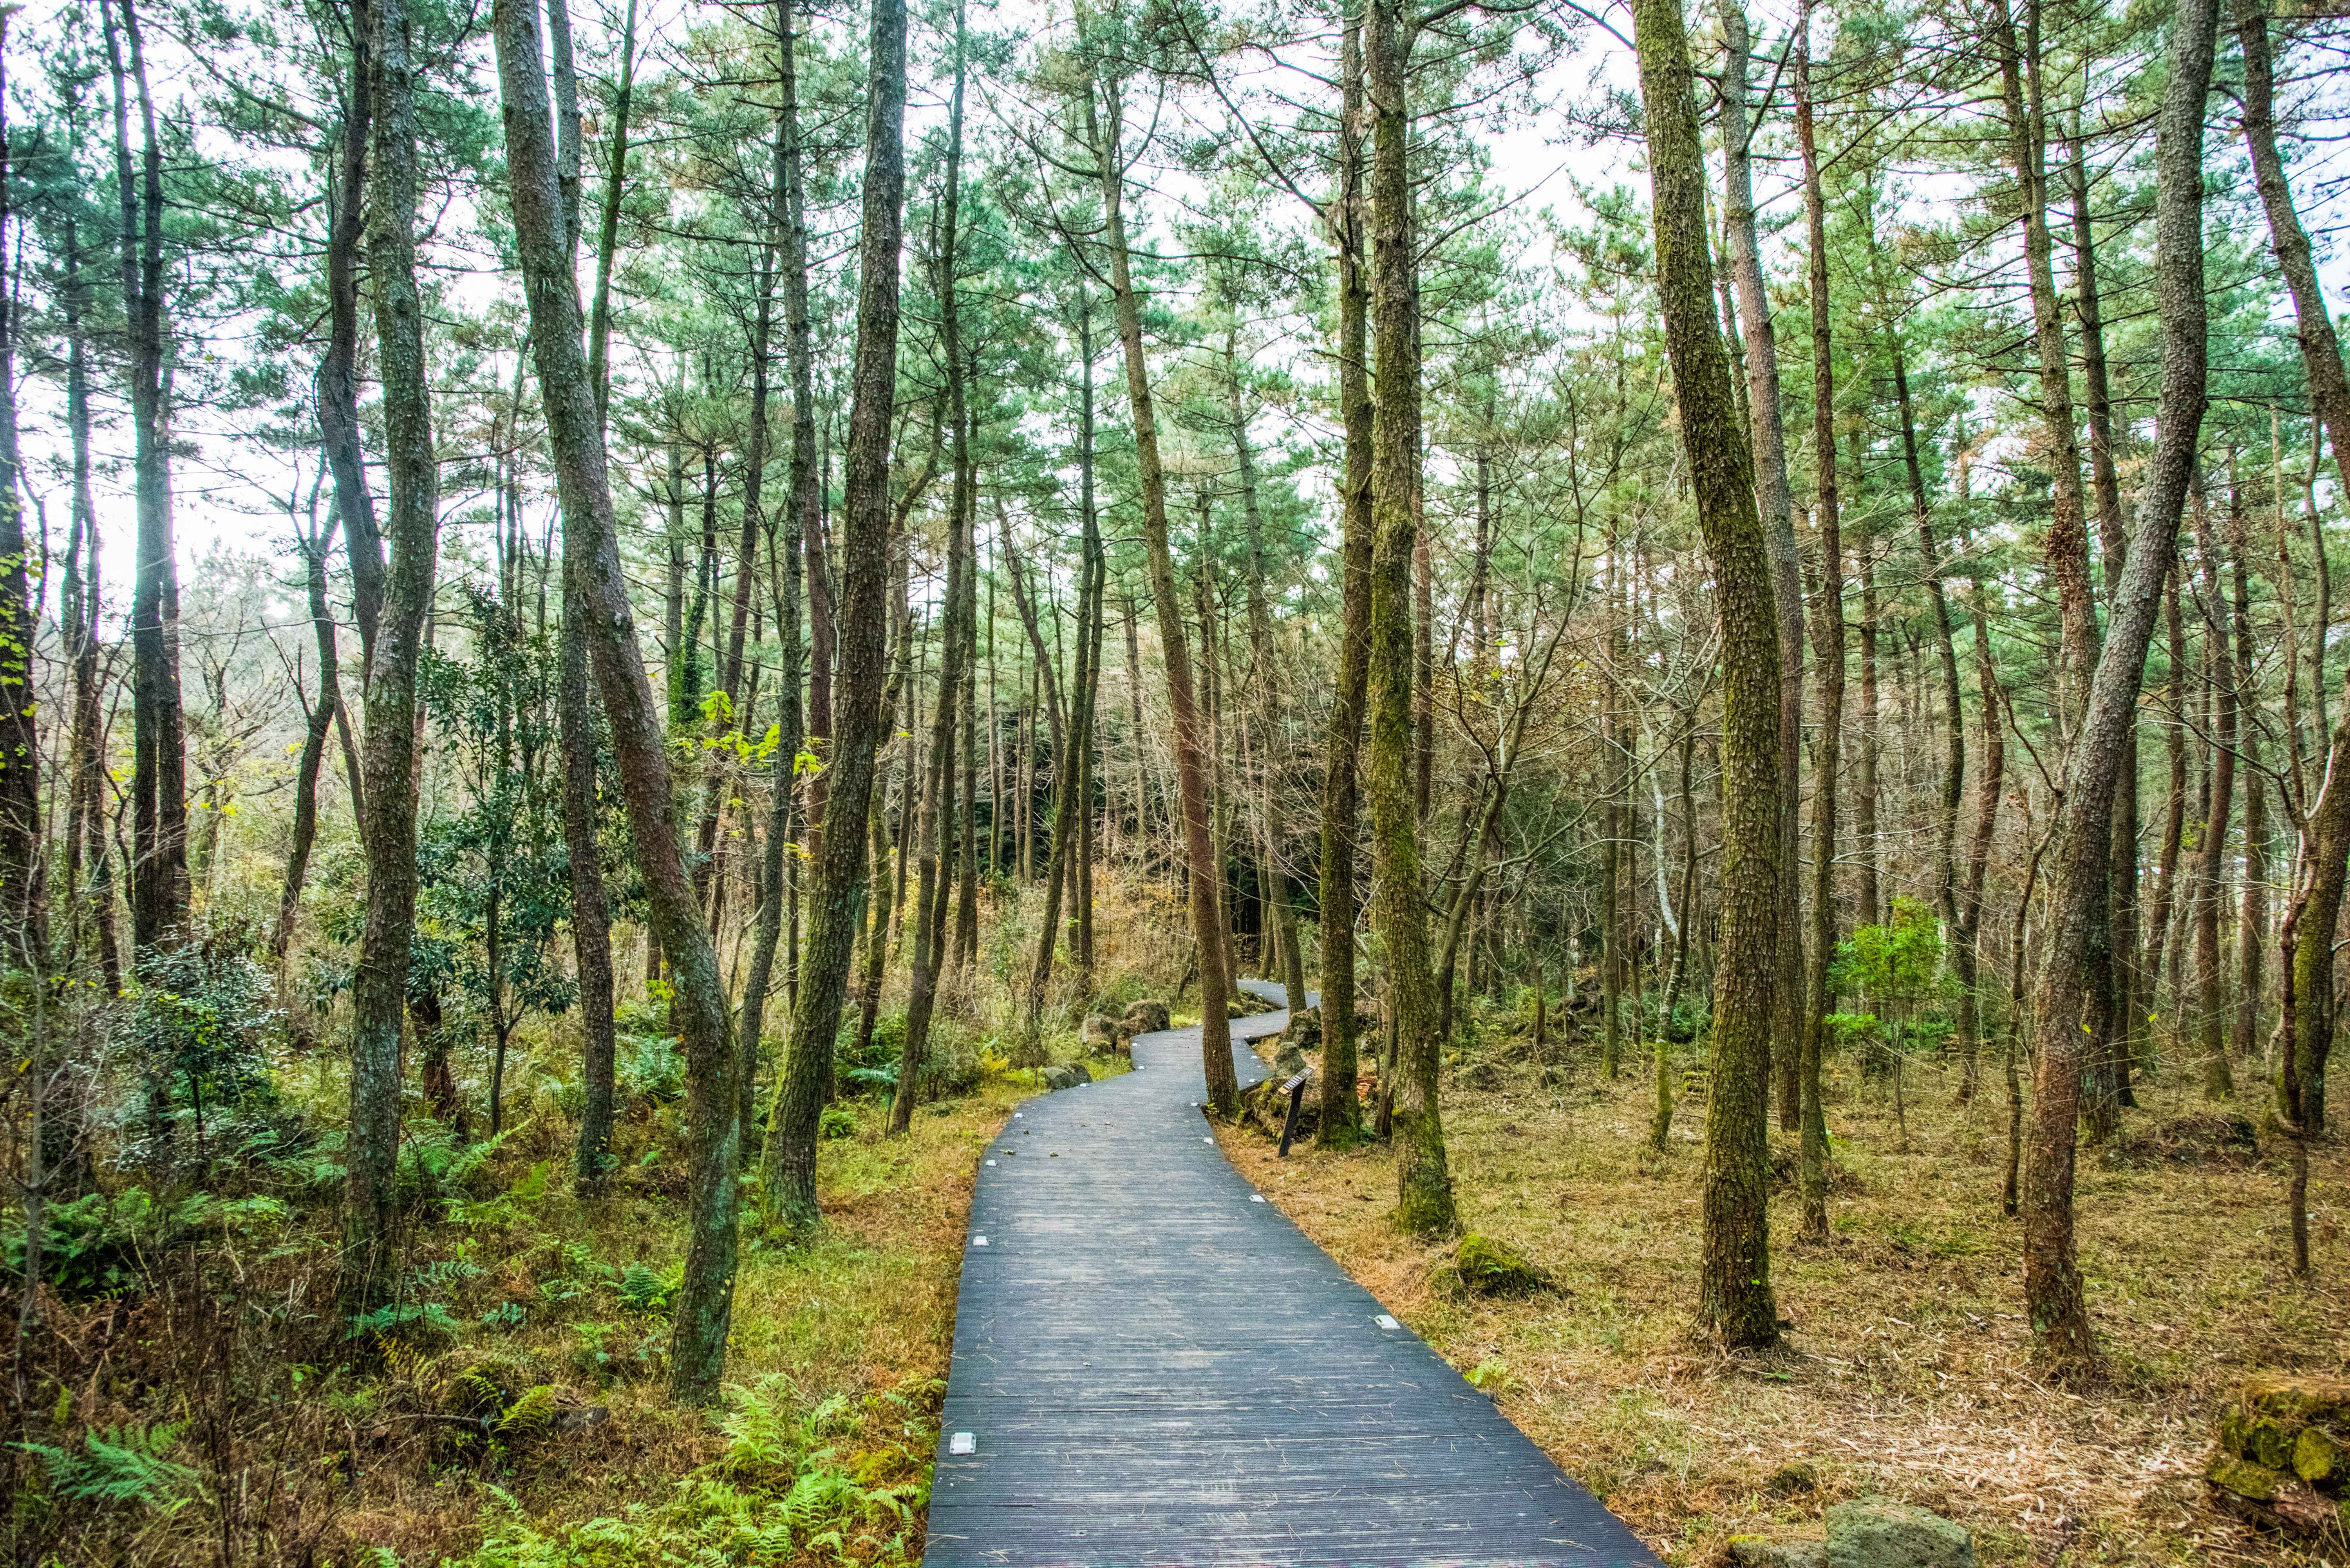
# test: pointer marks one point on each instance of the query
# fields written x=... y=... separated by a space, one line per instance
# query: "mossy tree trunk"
x=1104 y=113
x=1423 y=1185
x=380 y=989
x=1735 y=1300
x=1765 y=427
x=2079 y=882
x=1342 y=1117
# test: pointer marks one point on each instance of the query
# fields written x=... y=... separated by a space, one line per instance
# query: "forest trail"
x=1154 y=1367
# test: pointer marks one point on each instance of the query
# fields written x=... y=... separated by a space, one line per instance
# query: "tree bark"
x=339 y=394
x=1735 y=1298
x=1341 y=1124
x=1828 y=644
x=2079 y=883
x=321 y=721
x=2212 y=859
x=1104 y=122
x=591 y=561
x=159 y=871
x=784 y=560
x=1423 y=1185
x=2321 y=351
x=837 y=898
x=23 y=922
x=2251 y=938
x=1767 y=433
x=380 y=989
x=2130 y=1000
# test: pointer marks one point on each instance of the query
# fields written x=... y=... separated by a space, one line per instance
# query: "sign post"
x=1296 y=1087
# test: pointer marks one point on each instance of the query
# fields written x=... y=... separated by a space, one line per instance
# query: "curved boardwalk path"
x=1155 y=1367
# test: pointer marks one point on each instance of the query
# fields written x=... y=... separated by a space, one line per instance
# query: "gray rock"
x=1879 y=1533
x=1289 y=1061
x=1067 y=1078
x=1763 y=1551
x=1104 y=1035
x=1145 y=1017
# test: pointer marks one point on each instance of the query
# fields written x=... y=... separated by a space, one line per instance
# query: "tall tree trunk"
x=2308 y=943
x=933 y=846
x=1265 y=696
x=2251 y=933
x=1070 y=741
x=1828 y=644
x=314 y=551
x=2079 y=883
x=785 y=555
x=338 y=393
x=23 y=922
x=2212 y=861
x=2130 y=1000
x=1735 y=1296
x=1954 y=738
x=1341 y=1124
x=592 y=563
x=1104 y=123
x=1871 y=902
x=591 y=914
x=1769 y=470
x=2321 y=351
x=1423 y=1185
x=591 y=918
x=380 y=989
x=2166 y=875
x=159 y=870
x=837 y=898
x=85 y=820
x=1613 y=726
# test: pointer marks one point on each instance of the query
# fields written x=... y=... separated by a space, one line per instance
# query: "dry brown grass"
x=1908 y=1371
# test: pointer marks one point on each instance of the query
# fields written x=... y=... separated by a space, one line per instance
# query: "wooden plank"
x=1152 y=1369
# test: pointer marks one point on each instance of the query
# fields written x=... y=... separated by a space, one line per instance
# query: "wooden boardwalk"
x=1153 y=1366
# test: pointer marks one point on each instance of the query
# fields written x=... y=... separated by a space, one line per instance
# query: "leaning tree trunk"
x=1735 y=1297
x=836 y=897
x=314 y=741
x=380 y=989
x=2308 y=939
x=592 y=563
x=2079 y=885
x=339 y=380
x=784 y=588
x=1106 y=131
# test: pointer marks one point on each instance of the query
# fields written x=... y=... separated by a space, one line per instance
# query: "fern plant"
x=126 y=1466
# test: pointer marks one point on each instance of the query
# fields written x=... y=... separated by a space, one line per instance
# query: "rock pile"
x=1108 y=1036
x=1869 y=1532
x=2283 y=1458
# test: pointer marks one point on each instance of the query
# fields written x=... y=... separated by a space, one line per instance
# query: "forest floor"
x=1908 y=1372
